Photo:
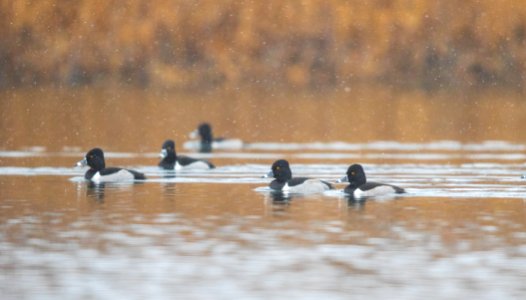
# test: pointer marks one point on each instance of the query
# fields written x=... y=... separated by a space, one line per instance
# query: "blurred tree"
x=299 y=44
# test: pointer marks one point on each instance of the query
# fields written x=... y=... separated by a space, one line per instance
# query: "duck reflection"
x=280 y=198
x=168 y=184
x=168 y=174
x=96 y=191
x=277 y=203
x=355 y=203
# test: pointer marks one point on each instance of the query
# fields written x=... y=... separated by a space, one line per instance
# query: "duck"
x=207 y=142
x=284 y=182
x=359 y=187
x=99 y=173
x=170 y=160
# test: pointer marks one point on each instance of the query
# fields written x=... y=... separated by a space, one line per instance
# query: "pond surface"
x=460 y=231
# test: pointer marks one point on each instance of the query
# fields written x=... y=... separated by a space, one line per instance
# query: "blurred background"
x=270 y=44
x=260 y=70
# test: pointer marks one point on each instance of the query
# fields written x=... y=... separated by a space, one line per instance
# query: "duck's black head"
x=205 y=131
x=168 y=154
x=95 y=159
x=169 y=146
x=281 y=170
x=356 y=175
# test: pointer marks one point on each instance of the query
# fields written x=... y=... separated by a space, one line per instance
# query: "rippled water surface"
x=459 y=232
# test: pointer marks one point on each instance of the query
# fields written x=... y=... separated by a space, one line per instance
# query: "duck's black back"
x=137 y=175
x=185 y=161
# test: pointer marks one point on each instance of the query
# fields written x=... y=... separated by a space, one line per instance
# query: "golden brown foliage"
x=304 y=43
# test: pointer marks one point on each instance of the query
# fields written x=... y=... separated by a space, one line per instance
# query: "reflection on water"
x=180 y=236
x=227 y=237
x=458 y=233
x=355 y=203
x=281 y=197
x=96 y=191
x=87 y=118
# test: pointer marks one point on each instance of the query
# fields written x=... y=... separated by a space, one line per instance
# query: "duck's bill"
x=163 y=153
x=82 y=163
x=269 y=174
x=343 y=179
x=194 y=134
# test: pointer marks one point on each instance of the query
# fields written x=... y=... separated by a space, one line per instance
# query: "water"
x=459 y=232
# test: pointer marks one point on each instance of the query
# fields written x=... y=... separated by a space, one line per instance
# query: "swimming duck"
x=207 y=142
x=99 y=173
x=171 y=161
x=286 y=183
x=359 y=187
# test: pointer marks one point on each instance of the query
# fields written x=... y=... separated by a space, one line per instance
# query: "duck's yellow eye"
x=353 y=173
x=277 y=168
